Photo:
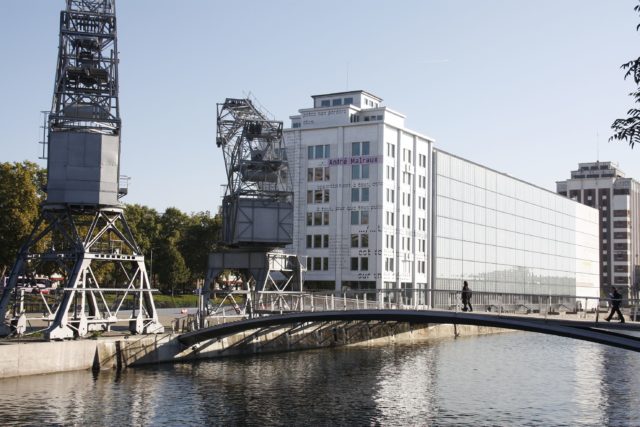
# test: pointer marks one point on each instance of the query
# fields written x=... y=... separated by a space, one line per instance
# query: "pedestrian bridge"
x=583 y=329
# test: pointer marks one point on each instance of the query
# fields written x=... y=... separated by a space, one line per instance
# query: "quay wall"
x=120 y=352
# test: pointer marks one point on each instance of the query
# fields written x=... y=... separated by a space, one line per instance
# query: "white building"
x=377 y=207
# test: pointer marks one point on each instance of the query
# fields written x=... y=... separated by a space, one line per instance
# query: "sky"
x=528 y=88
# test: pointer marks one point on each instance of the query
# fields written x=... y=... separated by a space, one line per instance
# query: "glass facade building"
x=505 y=235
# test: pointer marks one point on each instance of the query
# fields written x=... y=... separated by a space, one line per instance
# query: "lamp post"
x=151 y=267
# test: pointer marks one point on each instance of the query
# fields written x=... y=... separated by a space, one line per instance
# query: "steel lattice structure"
x=253 y=152
x=82 y=233
x=257 y=207
x=86 y=86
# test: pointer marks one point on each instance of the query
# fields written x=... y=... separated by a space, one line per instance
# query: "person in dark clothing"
x=466 y=297
x=616 y=299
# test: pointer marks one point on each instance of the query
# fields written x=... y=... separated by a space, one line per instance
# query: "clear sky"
x=529 y=88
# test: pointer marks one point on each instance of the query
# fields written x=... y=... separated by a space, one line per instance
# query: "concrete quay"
x=21 y=358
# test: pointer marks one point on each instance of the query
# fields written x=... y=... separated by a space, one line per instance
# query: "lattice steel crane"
x=82 y=233
x=257 y=206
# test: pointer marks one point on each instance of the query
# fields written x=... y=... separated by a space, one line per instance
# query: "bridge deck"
x=588 y=330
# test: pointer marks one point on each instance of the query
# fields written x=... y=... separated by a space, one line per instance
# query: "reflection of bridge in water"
x=565 y=316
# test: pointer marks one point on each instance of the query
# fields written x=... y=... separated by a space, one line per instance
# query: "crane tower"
x=82 y=233
x=257 y=207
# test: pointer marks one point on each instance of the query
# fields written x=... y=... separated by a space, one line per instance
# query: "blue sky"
x=524 y=87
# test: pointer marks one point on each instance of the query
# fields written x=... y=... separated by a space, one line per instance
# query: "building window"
x=348 y=101
x=318 y=196
x=359 y=240
x=355 y=217
x=325 y=103
x=422 y=160
x=388 y=264
x=317 y=218
x=391 y=173
x=318 y=152
x=421 y=267
x=407 y=155
x=359 y=217
x=406 y=178
x=361 y=264
x=390 y=218
x=391 y=150
x=360 y=148
x=360 y=194
x=390 y=239
x=337 y=101
x=391 y=195
x=317 y=241
x=359 y=171
x=318 y=174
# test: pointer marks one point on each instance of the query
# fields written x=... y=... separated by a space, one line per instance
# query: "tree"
x=21 y=192
x=145 y=225
x=628 y=129
x=198 y=241
x=172 y=270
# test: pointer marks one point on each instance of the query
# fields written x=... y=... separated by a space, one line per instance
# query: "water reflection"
x=506 y=379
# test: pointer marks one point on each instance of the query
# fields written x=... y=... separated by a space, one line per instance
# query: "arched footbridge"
x=599 y=332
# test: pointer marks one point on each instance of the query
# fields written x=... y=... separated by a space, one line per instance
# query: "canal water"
x=505 y=379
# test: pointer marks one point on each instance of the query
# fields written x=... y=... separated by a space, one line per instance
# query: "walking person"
x=466 y=297
x=616 y=299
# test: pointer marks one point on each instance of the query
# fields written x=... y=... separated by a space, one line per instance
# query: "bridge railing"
x=421 y=299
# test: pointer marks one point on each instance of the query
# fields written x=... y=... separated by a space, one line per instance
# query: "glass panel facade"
x=504 y=235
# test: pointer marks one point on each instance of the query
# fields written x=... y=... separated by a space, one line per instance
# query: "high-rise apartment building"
x=378 y=207
x=602 y=185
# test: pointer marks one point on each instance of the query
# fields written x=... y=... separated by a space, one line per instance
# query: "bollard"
x=364 y=301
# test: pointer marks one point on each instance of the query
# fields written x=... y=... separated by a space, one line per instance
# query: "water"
x=504 y=379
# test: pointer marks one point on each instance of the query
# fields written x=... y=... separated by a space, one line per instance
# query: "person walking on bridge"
x=616 y=299
x=466 y=297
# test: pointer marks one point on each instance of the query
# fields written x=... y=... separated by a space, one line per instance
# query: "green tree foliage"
x=170 y=267
x=145 y=226
x=628 y=129
x=199 y=239
x=172 y=271
x=20 y=197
